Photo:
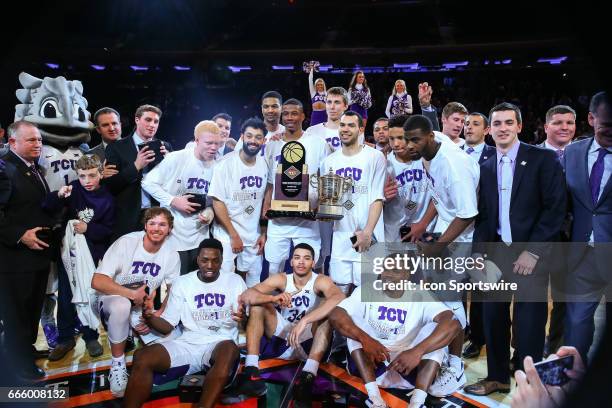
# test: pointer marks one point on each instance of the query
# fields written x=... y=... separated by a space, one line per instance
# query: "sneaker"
x=51 y=335
x=61 y=350
x=302 y=389
x=78 y=328
x=376 y=403
x=338 y=357
x=129 y=344
x=248 y=384
x=118 y=379
x=94 y=348
x=448 y=381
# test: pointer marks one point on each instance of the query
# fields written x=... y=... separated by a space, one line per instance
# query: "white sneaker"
x=118 y=379
x=376 y=403
x=448 y=381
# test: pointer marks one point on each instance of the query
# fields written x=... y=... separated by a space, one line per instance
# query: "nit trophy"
x=331 y=190
x=291 y=184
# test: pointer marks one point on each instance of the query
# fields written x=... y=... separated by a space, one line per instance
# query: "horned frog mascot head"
x=57 y=106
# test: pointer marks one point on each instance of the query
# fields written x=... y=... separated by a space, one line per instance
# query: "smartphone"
x=198 y=199
x=551 y=372
x=353 y=241
x=155 y=146
x=44 y=235
x=405 y=230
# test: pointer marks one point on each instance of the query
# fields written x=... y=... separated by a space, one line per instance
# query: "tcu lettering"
x=300 y=300
x=391 y=314
x=250 y=181
x=150 y=268
x=198 y=183
x=209 y=299
x=351 y=172
x=333 y=141
x=409 y=175
x=65 y=164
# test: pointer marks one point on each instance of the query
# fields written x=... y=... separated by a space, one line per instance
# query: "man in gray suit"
x=560 y=128
x=588 y=166
x=108 y=126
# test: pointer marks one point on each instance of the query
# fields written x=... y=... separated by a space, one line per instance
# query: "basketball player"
x=298 y=331
x=452 y=179
x=381 y=134
x=205 y=302
x=362 y=220
x=282 y=232
x=453 y=119
x=406 y=193
x=397 y=341
x=132 y=269
x=271 y=103
x=175 y=182
x=335 y=106
x=237 y=190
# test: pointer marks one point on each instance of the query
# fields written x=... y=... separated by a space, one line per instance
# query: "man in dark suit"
x=224 y=121
x=131 y=164
x=588 y=166
x=108 y=126
x=521 y=206
x=560 y=128
x=25 y=254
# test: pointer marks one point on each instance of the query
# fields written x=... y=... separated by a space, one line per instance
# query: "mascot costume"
x=58 y=108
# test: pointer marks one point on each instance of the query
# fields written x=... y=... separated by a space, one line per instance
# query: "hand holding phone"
x=552 y=372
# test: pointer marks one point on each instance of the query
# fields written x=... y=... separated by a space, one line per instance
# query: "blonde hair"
x=323 y=82
x=401 y=81
x=206 y=126
x=89 y=161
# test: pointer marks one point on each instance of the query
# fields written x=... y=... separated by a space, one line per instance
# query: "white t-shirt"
x=367 y=169
x=59 y=168
x=181 y=173
x=453 y=184
x=127 y=262
x=205 y=309
x=316 y=150
x=331 y=136
x=394 y=324
x=412 y=198
x=241 y=188
x=280 y=129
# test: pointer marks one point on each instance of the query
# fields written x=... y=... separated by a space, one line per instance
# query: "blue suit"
x=589 y=269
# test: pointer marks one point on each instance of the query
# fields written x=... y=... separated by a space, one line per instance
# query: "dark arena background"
x=194 y=59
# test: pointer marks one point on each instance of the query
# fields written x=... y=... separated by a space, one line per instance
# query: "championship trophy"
x=291 y=184
x=331 y=190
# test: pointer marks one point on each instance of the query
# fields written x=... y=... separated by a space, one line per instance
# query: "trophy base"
x=329 y=212
x=289 y=205
x=307 y=215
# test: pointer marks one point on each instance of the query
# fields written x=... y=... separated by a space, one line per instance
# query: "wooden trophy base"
x=288 y=208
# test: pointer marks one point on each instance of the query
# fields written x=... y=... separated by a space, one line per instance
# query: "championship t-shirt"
x=331 y=136
x=205 y=309
x=367 y=170
x=241 y=188
x=394 y=324
x=280 y=129
x=128 y=263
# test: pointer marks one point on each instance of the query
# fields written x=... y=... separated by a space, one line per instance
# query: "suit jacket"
x=537 y=201
x=21 y=197
x=99 y=151
x=487 y=151
x=433 y=117
x=587 y=217
x=125 y=185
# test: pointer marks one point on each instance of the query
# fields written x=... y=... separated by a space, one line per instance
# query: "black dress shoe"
x=32 y=373
x=40 y=354
x=472 y=350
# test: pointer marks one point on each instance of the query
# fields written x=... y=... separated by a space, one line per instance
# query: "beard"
x=251 y=151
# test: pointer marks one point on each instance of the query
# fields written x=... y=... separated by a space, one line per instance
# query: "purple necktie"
x=597 y=173
x=470 y=150
x=560 y=154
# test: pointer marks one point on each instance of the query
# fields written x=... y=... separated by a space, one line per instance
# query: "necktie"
x=560 y=154
x=470 y=150
x=597 y=173
x=34 y=170
x=505 y=194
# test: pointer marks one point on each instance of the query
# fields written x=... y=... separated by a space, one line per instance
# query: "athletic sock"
x=454 y=362
x=119 y=360
x=373 y=391
x=312 y=366
x=251 y=360
x=418 y=398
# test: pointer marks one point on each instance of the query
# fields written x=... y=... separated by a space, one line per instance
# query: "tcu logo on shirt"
x=300 y=300
x=409 y=175
x=65 y=164
x=391 y=314
x=250 y=181
x=333 y=141
x=351 y=172
x=150 y=268
x=198 y=183
x=209 y=299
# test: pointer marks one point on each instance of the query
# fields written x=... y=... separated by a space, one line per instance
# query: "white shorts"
x=458 y=311
x=283 y=350
x=196 y=356
x=278 y=247
x=392 y=378
x=247 y=261
x=344 y=272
